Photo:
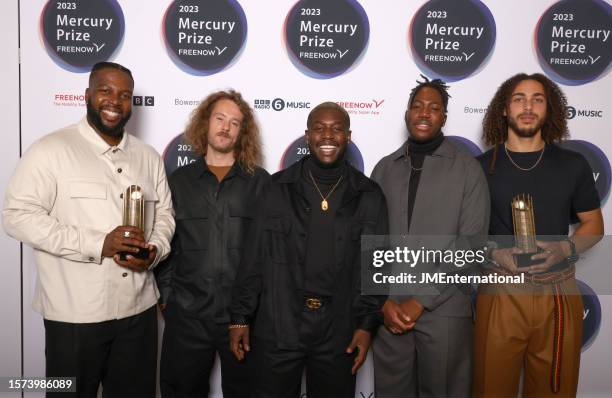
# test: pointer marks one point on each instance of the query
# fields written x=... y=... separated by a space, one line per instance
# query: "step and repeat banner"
x=288 y=56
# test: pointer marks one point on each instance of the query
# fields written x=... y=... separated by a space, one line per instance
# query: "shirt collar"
x=101 y=146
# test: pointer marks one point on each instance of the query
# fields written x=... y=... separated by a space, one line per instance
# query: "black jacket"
x=212 y=219
x=269 y=287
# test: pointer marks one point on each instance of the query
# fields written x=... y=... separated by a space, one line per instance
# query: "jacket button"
x=121 y=196
x=91 y=259
x=119 y=170
x=124 y=274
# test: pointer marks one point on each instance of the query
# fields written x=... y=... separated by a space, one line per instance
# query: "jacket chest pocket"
x=276 y=231
x=88 y=201
x=239 y=221
x=193 y=228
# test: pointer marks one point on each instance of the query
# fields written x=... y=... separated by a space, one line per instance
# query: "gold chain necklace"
x=324 y=204
x=521 y=168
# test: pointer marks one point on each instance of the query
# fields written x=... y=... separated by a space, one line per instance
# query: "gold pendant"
x=324 y=205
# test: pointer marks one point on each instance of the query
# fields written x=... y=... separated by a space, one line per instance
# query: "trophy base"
x=142 y=254
x=524 y=260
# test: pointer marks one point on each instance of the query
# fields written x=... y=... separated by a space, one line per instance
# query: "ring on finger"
x=126 y=234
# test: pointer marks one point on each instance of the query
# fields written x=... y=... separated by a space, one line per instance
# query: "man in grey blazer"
x=432 y=188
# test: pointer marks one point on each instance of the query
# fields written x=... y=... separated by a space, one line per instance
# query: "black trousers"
x=278 y=373
x=121 y=354
x=189 y=348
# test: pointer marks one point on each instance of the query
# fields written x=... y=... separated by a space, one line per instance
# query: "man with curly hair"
x=213 y=200
x=537 y=326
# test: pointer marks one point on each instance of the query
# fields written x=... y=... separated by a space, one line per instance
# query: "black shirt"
x=320 y=279
x=212 y=219
x=561 y=184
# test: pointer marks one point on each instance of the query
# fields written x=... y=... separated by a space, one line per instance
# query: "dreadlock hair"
x=248 y=151
x=437 y=84
x=495 y=124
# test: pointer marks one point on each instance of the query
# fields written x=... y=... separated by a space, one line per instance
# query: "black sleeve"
x=164 y=270
x=248 y=283
x=368 y=314
x=585 y=196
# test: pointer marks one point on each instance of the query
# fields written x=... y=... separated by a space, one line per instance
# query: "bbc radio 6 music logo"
x=325 y=38
x=451 y=39
x=78 y=34
x=279 y=104
x=572 y=112
x=573 y=40
x=204 y=37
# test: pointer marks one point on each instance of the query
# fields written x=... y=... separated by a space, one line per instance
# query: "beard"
x=524 y=132
x=94 y=117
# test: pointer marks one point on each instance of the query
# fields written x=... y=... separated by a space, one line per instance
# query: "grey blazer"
x=452 y=199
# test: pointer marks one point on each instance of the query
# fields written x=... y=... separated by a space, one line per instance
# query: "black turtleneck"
x=417 y=152
x=319 y=278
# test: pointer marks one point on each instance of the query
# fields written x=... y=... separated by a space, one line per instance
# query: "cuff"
x=237 y=319
x=370 y=322
x=91 y=243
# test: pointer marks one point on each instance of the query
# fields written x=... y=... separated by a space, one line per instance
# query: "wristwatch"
x=573 y=257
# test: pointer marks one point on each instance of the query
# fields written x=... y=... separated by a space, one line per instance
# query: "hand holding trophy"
x=133 y=216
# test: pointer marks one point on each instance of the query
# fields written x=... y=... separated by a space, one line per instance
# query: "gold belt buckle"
x=313 y=303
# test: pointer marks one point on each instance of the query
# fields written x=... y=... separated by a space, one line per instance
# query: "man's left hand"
x=136 y=264
x=361 y=341
x=554 y=252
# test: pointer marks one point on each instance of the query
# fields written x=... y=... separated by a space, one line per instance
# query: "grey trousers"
x=432 y=360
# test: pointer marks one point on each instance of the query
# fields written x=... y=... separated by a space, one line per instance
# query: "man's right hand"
x=239 y=342
x=116 y=241
x=505 y=258
x=395 y=318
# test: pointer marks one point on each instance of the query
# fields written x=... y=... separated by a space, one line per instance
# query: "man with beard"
x=65 y=200
x=535 y=327
x=432 y=189
x=214 y=204
x=296 y=303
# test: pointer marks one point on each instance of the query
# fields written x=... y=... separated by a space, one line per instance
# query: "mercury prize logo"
x=78 y=34
x=451 y=39
x=573 y=40
x=204 y=37
x=324 y=38
x=178 y=153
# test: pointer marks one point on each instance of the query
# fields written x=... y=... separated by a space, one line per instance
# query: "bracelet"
x=238 y=326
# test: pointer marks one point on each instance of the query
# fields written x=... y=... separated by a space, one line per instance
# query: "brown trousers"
x=515 y=329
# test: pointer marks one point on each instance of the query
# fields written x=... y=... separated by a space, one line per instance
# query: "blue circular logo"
x=573 y=40
x=591 y=316
x=602 y=173
x=178 y=153
x=324 y=38
x=204 y=37
x=79 y=34
x=452 y=39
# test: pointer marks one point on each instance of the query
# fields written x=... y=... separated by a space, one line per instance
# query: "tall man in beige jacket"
x=65 y=200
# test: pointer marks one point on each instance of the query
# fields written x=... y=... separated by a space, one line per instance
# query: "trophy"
x=133 y=216
x=524 y=230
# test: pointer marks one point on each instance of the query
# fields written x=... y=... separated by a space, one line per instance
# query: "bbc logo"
x=143 y=101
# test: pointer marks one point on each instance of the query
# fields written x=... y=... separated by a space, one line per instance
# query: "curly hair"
x=495 y=124
x=437 y=84
x=248 y=151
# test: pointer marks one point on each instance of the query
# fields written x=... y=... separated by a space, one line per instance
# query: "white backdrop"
x=262 y=70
